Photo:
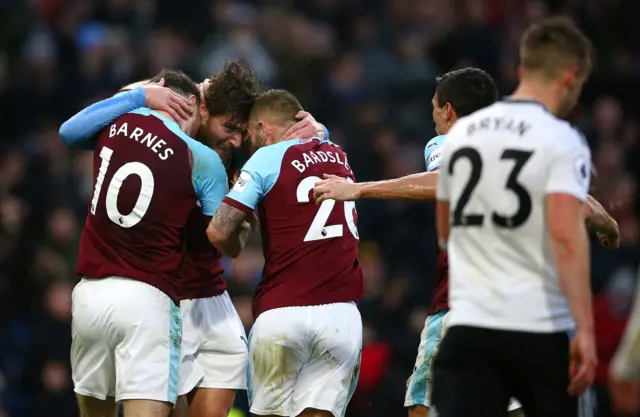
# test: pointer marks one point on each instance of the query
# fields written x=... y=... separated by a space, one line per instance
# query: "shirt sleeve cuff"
x=326 y=132
x=138 y=97
x=236 y=204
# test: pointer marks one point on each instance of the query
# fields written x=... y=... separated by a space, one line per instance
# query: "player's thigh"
x=191 y=373
x=419 y=383
x=540 y=375
x=211 y=402
x=93 y=337
x=148 y=355
x=146 y=408
x=278 y=347
x=181 y=409
x=327 y=381
x=464 y=369
x=224 y=353
x=93 y=407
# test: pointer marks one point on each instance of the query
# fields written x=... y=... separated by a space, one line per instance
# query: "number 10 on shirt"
x=319 y=229
x=113 y=190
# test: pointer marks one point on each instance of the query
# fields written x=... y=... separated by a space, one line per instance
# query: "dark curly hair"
x=232 y=92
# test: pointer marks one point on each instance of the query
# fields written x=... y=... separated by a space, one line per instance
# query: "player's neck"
x=279 y=133
x=184 y=125
x=541 y=91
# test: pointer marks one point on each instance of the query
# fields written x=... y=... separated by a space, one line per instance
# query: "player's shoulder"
x=433 y=153
x=561 y=136
x=270 y=157
x=434 y=144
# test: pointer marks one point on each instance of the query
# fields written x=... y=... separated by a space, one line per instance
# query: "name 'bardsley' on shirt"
x=317 y=157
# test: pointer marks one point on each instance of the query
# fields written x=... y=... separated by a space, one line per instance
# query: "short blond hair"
x=553 y=45
x=279 y=106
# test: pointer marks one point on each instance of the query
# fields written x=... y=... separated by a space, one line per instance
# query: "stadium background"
x=365 y=68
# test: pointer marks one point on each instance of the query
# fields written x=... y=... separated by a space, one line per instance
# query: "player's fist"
x=334 y=187
x=306 y=128
x=609 y=242
x=583 y=362
x=164 y=99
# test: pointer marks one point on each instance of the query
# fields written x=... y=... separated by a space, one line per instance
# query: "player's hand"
x=164 y=99
x=609 y=242
x=305 y=129
x=625 y=396
x=334 y=187
x=583 y=362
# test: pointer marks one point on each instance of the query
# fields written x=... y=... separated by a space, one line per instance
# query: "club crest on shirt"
x=243 y=179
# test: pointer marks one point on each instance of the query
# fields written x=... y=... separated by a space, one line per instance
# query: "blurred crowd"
x=366 y=69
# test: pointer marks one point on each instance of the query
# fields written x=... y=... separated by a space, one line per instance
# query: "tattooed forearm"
x=224 y=222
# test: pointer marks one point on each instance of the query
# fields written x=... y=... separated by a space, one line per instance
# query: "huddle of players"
x=305 y=344
x=152 y=323
x=508 y=341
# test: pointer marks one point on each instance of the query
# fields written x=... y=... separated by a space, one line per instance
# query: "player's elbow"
x=564 y=223
x=66 y=132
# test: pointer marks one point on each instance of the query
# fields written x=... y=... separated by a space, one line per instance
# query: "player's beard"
x=566 y=106
x=258 y=140
x=570 y=100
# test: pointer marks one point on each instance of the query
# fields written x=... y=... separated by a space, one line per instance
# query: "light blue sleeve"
x=433 y=153
x=259 y=175
x=326 y=132
x=79 y=131
x=209 y=177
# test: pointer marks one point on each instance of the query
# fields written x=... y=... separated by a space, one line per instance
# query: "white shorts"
x=214 y=345
x=125 y=341
x=304 y=357
x=419 y=383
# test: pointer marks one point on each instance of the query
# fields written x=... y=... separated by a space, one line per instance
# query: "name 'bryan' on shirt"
x=312 y=158
x=148 y=139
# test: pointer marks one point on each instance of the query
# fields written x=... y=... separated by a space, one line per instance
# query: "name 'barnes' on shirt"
x=148 y=139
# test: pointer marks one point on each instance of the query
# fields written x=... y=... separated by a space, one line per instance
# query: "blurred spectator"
x=366 y=68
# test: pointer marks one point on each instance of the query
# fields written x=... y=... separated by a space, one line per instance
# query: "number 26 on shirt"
x=319 y=229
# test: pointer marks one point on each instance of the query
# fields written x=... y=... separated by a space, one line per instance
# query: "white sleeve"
x=570 y=169
x=442 y=187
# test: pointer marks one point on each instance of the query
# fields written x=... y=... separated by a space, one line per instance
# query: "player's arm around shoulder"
x=78 y=131
x=229 y=226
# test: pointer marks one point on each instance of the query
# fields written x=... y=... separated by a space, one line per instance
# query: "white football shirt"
x=498 y=165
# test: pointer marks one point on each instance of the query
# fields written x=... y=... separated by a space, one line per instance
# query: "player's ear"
x=568 y=77
x=449 y=113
